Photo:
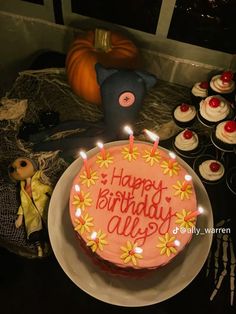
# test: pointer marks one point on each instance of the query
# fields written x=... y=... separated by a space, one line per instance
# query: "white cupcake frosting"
x=198 y=91
x=223 y=135
x=220 y=86
x=214 y=114
x=185 y=116
x=186 y=144
x=208 y=174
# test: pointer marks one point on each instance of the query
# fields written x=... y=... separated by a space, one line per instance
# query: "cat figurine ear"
x=103 y=73
x=149 y=79
x=122 y=93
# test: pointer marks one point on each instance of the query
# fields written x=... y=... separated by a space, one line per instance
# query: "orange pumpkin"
x=111 y=49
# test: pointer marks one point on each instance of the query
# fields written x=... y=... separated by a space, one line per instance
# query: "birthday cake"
x=132 y=208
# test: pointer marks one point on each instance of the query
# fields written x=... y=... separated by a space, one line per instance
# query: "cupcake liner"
x=189 y=153
x=205 y=122
x=221 y=145
x=184 y=125
x=198 y=161
x=228 y=96
x=211 y=124
x=195 y=100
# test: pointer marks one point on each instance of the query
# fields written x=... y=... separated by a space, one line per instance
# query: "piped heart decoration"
x=104 y=182
x=103 y=175
x=168 y=199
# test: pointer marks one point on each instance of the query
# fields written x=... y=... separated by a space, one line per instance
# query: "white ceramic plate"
x=163 y=283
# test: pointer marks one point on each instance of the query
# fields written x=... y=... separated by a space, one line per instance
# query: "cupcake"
x=213 y=110
x=199 y=91
x=224 y=136
x=186 y=143
x=211 y=170
x=184 y=115
x=223 y=85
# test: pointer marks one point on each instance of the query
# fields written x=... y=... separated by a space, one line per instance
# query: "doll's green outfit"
x=34 y=209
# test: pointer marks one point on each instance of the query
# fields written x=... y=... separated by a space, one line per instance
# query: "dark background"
x=206 y=23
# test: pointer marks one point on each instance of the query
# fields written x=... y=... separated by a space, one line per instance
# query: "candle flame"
x=77 y=188
x=128 y=130
x=152 y=135
x=187 y=177
x=172 y=155
x=100 y=145
x=138 y=250
x=200 y=210
x=83 y=155
x=177 y=243
x=93 y=235
x=78 y=212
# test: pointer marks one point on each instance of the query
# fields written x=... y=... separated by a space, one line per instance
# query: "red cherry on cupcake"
x=184 y=107
x=204 y=85
x=230 y=126
x=214 y=166
x=227 y=76
x=188 y=134
x=214 y=102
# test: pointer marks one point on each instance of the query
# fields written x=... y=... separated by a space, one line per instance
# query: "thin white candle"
x=84 y=157
x=102 y=150
x=78 y=215
x=187 y=179
x=172 y=159
x=154 y=137
x=131 y=138
x=78 y=191
x=194 y=213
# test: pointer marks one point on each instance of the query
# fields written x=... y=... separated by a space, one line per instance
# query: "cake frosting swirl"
x=186 y=140
x=184 y=112
x=211 y=170
x=214 y=108
x=225 y=134
x=200 y=89
x=221 y=84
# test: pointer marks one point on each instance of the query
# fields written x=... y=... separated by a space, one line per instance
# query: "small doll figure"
x=34 y=196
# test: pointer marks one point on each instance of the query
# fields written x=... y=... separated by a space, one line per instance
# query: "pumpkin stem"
x=102 y=40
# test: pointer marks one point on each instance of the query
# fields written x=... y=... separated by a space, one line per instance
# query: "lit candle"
x=94 y=237
x=131 y=138
x=84 y=156
x=175 y=243
x=155 y=138
x=171 y=160
x=194 y=213
x=137 y=250
x=187 y=179
x=78 y=191
x=102 y=150
x=78 y=215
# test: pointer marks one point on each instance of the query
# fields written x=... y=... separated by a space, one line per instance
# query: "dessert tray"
x=160 y=285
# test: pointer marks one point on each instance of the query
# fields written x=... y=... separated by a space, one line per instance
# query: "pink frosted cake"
x=128 y=210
